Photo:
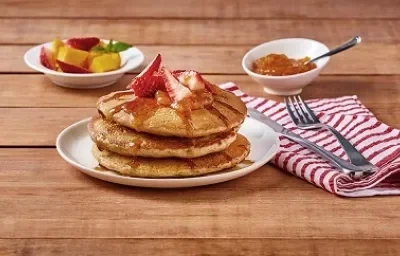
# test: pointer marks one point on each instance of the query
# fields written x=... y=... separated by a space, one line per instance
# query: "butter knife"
x=342 y=165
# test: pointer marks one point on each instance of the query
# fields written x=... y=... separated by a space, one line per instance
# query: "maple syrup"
x=189 y=162
x=227 y=156
x=213 y=110
x=142 y=109
x=135 y=146
x=100 y=168
x=117 y=95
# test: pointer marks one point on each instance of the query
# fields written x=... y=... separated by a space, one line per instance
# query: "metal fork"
x=305 y=119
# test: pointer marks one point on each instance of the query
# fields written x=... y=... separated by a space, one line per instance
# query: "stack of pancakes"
x=135 y=136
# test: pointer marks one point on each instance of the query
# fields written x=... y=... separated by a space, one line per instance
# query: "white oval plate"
x=74 y=145
x=130 y=59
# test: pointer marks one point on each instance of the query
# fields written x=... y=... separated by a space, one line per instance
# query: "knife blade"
x=342 y=165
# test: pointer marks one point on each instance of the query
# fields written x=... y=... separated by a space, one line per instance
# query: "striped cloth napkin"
x=379 y=143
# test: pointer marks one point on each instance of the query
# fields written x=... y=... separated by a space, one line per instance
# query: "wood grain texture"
x=197 y=247
x=48 y=207
x=367 y=58
x=198 y=32
x=379 y=93
x=38 y=126
x=202 y=9
x=46 y=198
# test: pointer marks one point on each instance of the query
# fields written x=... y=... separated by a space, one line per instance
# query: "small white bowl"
x=130 y=59
x=293 y=48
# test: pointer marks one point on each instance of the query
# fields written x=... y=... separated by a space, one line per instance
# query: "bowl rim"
x=249 y=72
x=47 y=71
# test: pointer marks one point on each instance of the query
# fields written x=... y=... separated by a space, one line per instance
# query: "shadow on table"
x=266 y=178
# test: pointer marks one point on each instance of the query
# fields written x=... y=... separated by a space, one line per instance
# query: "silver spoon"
x=352 y=42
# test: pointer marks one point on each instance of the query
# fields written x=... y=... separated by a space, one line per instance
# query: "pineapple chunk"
x=72 y=56
x=55 y=46
x=105 y=62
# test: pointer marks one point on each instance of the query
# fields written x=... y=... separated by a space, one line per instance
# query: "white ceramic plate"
x=75 y=145
x=130 y=59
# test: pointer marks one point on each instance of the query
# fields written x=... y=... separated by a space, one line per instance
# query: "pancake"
x=113 y=137
x=144 y=114
x=174 y=167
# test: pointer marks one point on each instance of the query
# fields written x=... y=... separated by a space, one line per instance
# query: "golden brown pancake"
x=174 y=167
x=125 y=141
x=144 y=114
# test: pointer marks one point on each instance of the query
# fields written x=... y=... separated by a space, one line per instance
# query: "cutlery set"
x=304 y=118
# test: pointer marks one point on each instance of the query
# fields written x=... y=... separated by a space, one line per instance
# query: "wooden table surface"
x=49 y=208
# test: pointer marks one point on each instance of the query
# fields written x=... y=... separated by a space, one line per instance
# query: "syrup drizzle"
x=135 y=146
x=142 y=109
x=100 y=168
x=117 y=95
x=217 y=113
x=230 y=107
x=135 y=162
x=186 y=118
x=227 y=156
x=190 y=163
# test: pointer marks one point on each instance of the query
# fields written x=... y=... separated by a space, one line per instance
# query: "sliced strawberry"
x=68 y=68
x=177 y=72
x=192 y=79
x=209 y=86
x=158 y=78
x=176 y=91
x=148 y=71
x=147 y=87
x=46 y=58
x=83 y=43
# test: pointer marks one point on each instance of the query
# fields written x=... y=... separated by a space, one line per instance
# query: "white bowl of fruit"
x=84 y=63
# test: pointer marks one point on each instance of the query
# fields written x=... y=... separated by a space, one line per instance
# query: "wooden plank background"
x=49 y=208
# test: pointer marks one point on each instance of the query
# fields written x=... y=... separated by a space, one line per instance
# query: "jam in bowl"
x=280 y=67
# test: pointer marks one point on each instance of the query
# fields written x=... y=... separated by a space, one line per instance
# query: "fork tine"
x=290 y=111
x=295 y=106
x=309 y=111
x=306 y=117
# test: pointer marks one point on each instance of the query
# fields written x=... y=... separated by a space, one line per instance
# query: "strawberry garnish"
x=149 y=80
x=68 y=68
x=176 y=91
x=46 y=58
x=148 y=71
x=83 y=43
x=191 y=79
x=148 y=86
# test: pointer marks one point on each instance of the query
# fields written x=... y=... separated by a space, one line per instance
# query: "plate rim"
x=256 y=165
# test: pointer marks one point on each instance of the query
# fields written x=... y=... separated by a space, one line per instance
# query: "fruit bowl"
x=130 y=59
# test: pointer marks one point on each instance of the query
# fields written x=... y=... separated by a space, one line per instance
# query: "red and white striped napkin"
x=379 y=143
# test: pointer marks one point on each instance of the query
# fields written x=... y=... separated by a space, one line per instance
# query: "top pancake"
x=144 y=114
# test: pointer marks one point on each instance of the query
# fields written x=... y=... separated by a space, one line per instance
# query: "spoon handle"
x=352 y=42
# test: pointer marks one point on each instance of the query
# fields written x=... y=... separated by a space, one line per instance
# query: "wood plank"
x=373 y=91
x=379 y=93
x=203 y=9
x=368 y=58
x=193 y=32
x=197 y=247
x=58 y=203
x=38 y=126
x=32 y=171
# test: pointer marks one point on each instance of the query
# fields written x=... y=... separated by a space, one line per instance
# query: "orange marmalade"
x=280 y=65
